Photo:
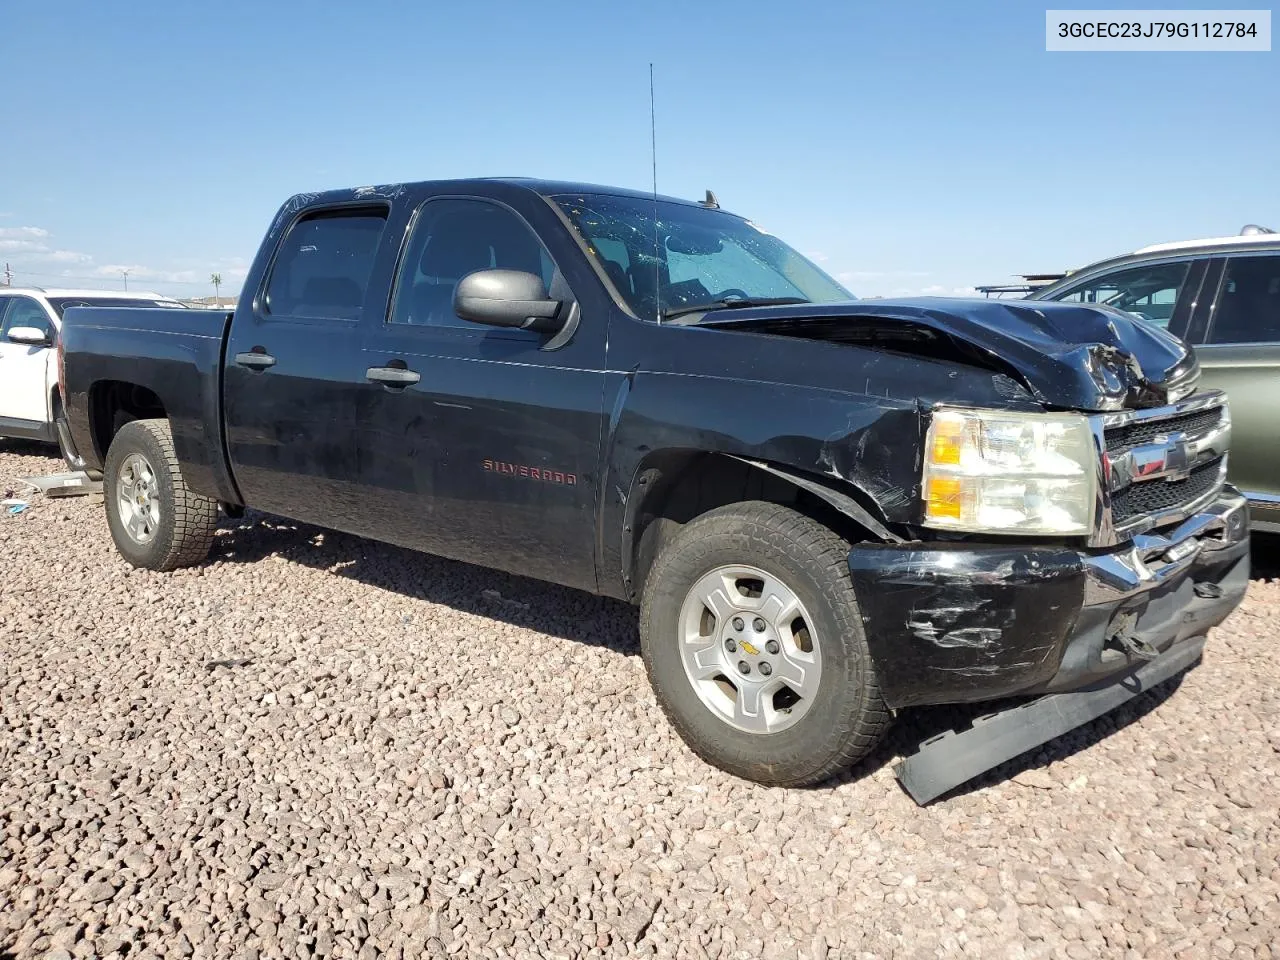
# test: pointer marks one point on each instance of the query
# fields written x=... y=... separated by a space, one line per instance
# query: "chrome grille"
x=1160 y=465
x=1125 y=437
x=1142 y=499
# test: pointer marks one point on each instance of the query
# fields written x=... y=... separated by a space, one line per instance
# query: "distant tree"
x=216 y=280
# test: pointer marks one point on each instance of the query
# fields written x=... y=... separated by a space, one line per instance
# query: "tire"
x=790 y=740
x=178 y=526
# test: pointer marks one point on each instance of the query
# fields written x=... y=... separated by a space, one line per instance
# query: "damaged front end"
x=1082 y=632
x=1068 y=356
x=1084 y=622
x=957 y=623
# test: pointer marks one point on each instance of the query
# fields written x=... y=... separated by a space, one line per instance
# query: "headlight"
x=995 y=472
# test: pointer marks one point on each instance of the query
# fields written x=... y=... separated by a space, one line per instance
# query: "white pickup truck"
x=30 y=319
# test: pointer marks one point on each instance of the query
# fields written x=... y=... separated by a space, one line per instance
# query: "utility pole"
x=8 y=276
x=125 y=274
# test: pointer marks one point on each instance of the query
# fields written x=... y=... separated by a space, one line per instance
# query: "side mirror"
x=32 y=336
x=506 y=298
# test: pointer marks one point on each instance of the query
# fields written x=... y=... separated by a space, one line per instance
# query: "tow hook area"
x=1122 y=637
x=1207 y=591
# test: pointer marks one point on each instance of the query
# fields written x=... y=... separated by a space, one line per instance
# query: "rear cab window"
x=322 y=268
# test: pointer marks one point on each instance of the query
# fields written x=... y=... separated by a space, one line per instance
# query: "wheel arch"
x=112 y=404
x=672 y=487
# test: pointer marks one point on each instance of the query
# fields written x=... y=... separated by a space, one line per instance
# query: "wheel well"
x=678 y=486
x=112 y=404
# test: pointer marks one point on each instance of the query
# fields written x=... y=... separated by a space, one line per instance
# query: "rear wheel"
x=156 y=522
x=754 y=645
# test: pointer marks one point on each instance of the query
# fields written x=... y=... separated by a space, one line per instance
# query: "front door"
x=486 y=448
x=293 y=370
x=1239 y=352
x=24 y=369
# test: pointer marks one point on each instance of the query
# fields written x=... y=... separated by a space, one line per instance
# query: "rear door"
x=293 y=369
x=24 y=400
x=1238 y=334
x=490 y=454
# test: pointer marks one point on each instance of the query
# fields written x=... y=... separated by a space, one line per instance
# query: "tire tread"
x=859 y=730
x=195 y=517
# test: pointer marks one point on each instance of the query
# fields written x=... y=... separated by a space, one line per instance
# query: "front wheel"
x=754 y=645
x=157 y=523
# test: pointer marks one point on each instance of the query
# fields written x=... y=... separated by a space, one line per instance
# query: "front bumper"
x=959 y=622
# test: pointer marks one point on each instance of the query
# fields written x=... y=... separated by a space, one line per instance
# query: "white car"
x=30 y=319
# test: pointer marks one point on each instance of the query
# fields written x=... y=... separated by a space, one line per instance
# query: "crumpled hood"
x=1068 y=355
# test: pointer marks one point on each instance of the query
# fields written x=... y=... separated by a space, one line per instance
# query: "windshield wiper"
x=729 y=303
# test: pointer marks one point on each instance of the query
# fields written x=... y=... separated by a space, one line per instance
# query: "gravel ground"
x=316 y=745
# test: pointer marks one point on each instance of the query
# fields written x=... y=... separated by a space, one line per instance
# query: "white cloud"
x=23 y=233
x=33 y=255
x=67 y=256
x=115 y=269
x=817 y=257
x=934 y=290
x=852 y=276
x=231 y=275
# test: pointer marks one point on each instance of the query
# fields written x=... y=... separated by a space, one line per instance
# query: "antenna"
x=653 y=151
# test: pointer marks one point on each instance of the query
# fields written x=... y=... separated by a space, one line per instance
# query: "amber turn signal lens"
x=948 y=439
x=944 y=497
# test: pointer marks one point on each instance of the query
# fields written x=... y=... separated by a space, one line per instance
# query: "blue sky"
x=909 y=147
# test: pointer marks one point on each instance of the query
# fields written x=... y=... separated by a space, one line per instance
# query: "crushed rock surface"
x=320 y=746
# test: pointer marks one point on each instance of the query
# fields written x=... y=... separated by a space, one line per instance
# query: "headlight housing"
x=991 y=471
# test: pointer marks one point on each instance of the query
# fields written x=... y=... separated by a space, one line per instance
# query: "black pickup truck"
x=826 y=509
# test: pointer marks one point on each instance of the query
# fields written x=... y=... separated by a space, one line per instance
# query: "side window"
x=1149 y=292
x=323 y=266
x=25 y=312
x=1248 y=309
x=451 y=239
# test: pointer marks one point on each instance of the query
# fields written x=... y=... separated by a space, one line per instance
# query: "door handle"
x=393 y=376
x=256 y=359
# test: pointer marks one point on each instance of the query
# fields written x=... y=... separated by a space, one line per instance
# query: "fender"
x=675 y=485
x=841 y=501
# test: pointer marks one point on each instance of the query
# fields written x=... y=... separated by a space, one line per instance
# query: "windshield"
x=704 y=256
x=62 y=304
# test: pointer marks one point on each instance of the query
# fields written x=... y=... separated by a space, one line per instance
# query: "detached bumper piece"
x=950 y=759
x=1083 y=629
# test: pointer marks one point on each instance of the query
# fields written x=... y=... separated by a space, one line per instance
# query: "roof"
x=543 y=188
x=1247 y=240
x=552 y=188
x=77 y=292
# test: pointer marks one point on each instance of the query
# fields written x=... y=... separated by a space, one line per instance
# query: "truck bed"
x=176 y=355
